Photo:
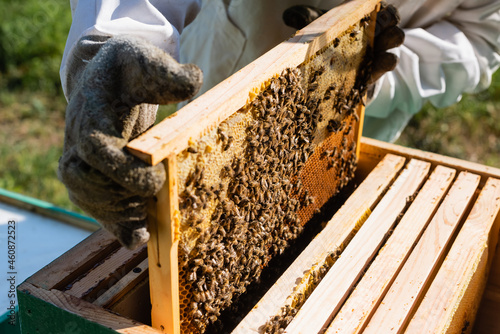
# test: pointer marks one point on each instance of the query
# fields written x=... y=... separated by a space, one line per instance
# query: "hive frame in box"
x=167 y=140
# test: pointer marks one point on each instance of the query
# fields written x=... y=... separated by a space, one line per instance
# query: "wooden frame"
x=172 y=136
x=46 y=305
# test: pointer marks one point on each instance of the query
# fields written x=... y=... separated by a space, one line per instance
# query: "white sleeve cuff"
x=161 y=25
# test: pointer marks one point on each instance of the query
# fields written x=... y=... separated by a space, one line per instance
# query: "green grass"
x=32 y=38
x=31 y=134
x=468 y=130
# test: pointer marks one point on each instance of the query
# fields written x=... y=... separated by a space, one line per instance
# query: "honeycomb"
x=248 y=186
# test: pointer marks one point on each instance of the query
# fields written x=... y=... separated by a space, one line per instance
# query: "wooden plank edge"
x=85 y=310
x=97 y=280
x=162 y=254
x=410 y=285
x=332 y=291
x=374 y=150
x=173 y=134
x=77 y=260
x=335 y=235
x=362 y=106
x=367 y=295
x=452 y=300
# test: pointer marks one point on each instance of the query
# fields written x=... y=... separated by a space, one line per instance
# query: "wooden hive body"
x=100 y=287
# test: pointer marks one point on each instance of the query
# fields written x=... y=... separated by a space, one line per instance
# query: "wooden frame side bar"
x=373 y=150
x=164 y=223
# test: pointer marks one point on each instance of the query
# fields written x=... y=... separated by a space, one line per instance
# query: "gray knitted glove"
x=112 y=100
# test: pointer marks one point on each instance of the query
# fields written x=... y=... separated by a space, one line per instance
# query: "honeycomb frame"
x=240 y=182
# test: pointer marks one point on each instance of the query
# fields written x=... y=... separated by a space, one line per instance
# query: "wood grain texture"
x=172 y=135
x=162 y=253
x=407 y=290
x=76 y=261
x=452 y=300
x=135 y=304
x=368 y=293
x=373 y=150
x=329 y=295
x=104 y=274
x=71 y=315
x=336 y=233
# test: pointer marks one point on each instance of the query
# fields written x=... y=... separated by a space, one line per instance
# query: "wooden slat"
x=111 y=269
x=407 y=290
x=328 y=297
x=172 y=135
x=125 y=284
x=373 y=150
x=451 y=302
x=361 y=108
x=87 y=311
x=162 y=253
x=363 y=301
x=75 y=262
x=335 y=234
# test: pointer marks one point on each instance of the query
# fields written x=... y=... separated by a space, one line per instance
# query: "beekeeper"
x=451 y=47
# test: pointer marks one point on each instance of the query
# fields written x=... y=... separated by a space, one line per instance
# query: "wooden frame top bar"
x=172 y=135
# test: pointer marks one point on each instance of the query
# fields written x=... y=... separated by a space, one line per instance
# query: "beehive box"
x=408 y=252
x=377 y=239
x=250 y=162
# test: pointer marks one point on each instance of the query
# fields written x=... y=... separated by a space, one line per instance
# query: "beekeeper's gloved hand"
x=112 y=100
x=387 y=34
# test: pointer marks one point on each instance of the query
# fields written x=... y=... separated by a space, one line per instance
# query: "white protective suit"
x=451 y=46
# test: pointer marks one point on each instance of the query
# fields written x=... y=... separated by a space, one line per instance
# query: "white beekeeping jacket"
x=451 y=46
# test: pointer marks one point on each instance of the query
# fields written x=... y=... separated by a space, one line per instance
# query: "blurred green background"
x=32 y=38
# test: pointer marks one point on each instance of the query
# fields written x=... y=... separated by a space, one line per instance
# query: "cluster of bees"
x=256 y=212
x=260 y=193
